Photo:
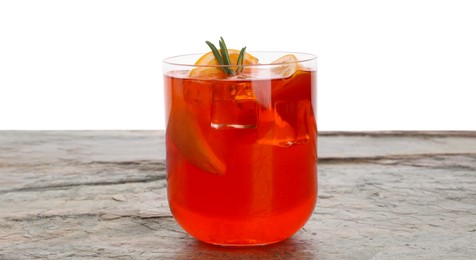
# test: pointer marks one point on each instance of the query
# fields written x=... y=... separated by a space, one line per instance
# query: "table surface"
x=382 y=195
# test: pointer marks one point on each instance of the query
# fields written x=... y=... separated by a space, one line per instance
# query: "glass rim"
x=311 y=57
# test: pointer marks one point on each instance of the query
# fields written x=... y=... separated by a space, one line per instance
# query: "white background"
x=96 y=64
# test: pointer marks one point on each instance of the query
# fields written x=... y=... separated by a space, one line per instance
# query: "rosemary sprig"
x=223 y=57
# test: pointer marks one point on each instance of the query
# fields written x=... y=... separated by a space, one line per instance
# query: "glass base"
x=244 y=244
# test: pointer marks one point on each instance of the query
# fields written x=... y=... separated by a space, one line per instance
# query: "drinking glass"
x=241 y=150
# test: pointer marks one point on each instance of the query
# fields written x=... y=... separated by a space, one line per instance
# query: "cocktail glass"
x=242 y=149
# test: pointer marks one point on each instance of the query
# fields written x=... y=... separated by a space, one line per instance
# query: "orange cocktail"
x=242 y=148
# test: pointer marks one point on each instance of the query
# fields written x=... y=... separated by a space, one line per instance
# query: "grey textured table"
x=384 y=195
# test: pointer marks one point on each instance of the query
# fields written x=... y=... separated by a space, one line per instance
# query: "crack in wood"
x=70 y=185
x=99 y=216
x=423 y=134
x=159 y=164
x=40 y=217
x=397 y=158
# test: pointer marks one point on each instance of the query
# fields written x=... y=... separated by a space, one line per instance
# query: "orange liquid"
x=248 y=175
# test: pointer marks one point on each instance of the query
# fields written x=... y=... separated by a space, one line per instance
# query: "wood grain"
x=382 y=195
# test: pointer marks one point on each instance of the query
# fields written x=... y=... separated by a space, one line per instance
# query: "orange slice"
x=186 y=134
x=289 y=67
x=215 y=72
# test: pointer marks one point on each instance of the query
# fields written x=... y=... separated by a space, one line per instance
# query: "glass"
x=241 y=150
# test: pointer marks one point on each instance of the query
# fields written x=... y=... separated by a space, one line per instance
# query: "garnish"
x=224 y=57
x=289 y=67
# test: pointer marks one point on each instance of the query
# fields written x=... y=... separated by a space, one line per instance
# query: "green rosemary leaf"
x=216 y=53
x=224 y=52
x=241 y=60
x=225 y=56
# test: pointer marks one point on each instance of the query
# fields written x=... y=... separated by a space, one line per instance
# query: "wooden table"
x=384 y=195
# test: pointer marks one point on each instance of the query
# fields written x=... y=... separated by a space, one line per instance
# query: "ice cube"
x=290 y=125
x=233 y=105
